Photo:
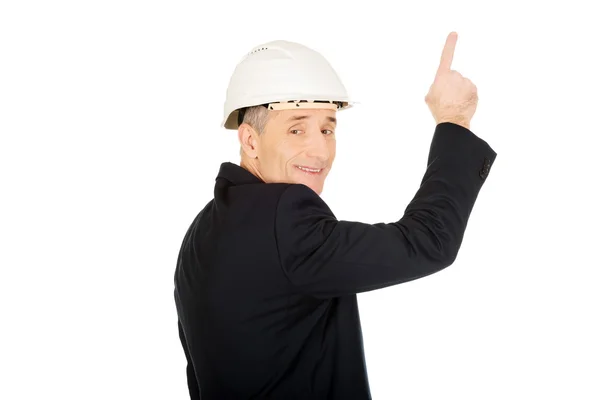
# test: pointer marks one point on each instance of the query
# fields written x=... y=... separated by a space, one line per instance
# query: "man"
x=267 y=277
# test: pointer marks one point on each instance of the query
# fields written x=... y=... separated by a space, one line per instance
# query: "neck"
x=250 y=166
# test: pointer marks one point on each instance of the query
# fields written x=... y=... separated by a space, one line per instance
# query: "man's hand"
x=451 y=97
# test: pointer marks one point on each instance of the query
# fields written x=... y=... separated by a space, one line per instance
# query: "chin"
x=314 y=182
x=315 y=187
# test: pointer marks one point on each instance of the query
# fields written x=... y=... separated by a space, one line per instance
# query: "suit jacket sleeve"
x=324 y=257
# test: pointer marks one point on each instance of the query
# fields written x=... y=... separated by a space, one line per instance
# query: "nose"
x=318 y=148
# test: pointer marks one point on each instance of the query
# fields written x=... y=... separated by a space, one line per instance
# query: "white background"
x=110 y=145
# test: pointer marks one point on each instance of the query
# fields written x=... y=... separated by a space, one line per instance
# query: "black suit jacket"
x=267 y=276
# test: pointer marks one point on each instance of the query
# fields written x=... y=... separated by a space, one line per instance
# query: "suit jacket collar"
x=237 y=175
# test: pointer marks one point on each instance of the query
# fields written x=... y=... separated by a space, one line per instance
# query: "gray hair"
x=257 y=117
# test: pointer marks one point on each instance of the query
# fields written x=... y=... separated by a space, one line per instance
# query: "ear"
x=247 y=137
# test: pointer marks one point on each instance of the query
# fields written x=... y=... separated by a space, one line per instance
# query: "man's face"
x=294 y=139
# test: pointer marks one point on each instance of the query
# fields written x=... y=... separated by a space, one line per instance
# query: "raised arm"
x=324 y=257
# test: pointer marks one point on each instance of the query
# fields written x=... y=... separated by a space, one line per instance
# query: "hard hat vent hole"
x=257 y=50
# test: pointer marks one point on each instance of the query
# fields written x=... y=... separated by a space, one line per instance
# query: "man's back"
x=247 y=329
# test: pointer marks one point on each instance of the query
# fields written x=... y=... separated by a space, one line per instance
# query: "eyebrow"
x=301 y=117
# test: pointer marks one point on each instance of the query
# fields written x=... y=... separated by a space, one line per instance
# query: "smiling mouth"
x=310 y=171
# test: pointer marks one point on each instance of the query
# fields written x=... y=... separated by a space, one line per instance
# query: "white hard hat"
x=285 y=73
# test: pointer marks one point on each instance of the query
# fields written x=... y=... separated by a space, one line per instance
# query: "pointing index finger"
x=448 y=53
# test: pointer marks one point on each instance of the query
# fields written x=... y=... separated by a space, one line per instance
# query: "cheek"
x=287 y=151
x=282 y=157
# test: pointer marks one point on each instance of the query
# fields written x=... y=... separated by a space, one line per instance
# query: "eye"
x=295 y=130
x=328 y=130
